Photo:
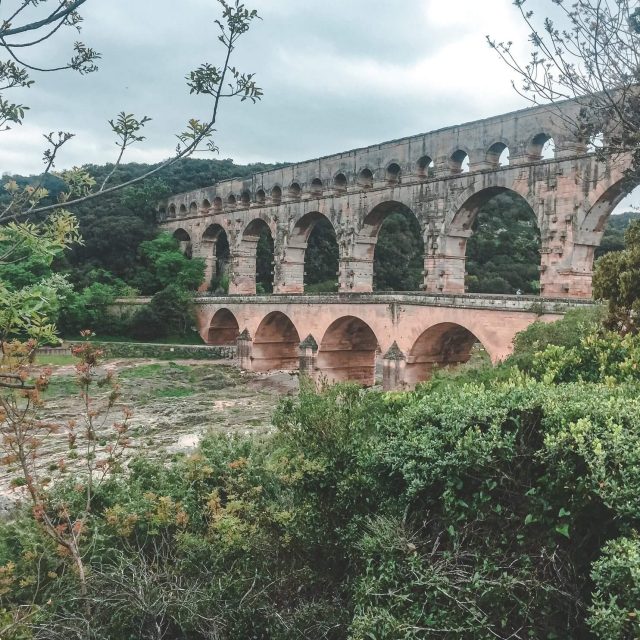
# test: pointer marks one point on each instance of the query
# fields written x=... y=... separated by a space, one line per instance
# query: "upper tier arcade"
x=443 y=177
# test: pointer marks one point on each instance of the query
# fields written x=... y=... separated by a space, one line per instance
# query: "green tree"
x=616 y=279
x=163 y=264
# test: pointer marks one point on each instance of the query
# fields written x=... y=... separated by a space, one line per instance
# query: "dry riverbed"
x=173 y=405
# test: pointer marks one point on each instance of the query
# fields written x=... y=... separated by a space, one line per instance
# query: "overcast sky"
x=336 y=74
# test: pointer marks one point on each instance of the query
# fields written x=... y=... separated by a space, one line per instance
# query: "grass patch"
x=55 y=360
x=62 y=386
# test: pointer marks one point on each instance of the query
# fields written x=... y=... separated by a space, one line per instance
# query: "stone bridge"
x=443 y=178
x=343 y=337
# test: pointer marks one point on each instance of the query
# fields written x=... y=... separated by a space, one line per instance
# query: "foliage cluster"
x=495 y=507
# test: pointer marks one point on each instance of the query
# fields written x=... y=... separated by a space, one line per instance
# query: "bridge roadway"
x=341 y=336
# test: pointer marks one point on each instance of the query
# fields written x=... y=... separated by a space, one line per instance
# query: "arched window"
x=426 y=167
x=542 y=147
x=184 y=241
x=245 y=198
x=295 y=191
x=206 y=205
x=498 y=154
x=596 y=142
x=193 y=209
x=340 y=183
x=393 y=173
x=276 y=195
x=261 y=196
x=316 y=187
x=183 y=210
x=217 y=204
x=231 y=202
x=172 y=210
x=365 y=179
x=459 y=161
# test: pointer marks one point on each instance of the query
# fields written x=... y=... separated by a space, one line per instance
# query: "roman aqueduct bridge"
x=443 y=178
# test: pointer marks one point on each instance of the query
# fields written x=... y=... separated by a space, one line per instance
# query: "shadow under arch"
x=275 y=344
x=348 y=352
x=441 y=345
x=223 y=329
x=391 y=238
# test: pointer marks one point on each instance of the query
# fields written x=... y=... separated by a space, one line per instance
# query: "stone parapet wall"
x=525 y=304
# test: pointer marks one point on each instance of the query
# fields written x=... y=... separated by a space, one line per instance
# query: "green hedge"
x=166 y=351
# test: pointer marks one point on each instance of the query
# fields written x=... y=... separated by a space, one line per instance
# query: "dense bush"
x=498 y=509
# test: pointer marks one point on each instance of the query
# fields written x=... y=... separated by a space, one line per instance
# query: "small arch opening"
x=231 y=202
x=498 y=155
x=426 y=168
x=275 y=345
x=596 y=143
x=459 y=161
x=348 y=352
x=223 y=329
x=393 y=173
x=340 y=183
x=172 y=210
x=295 y=191
x=206 y=205
x=183 y=211
x=542 y=147
x=316 y=187
x=365 y=179
x=217 y=204
x=184 y=242
x=276 y=195
x=261 y=196
x=162 y=213
x=245 y=198
x=193 y=209
x=443 y=345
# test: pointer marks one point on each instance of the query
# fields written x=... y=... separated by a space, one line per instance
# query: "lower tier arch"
x=275 y=345
x=223 y=329
x=441 y=345
x=348 y=352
